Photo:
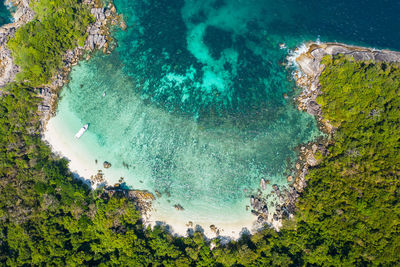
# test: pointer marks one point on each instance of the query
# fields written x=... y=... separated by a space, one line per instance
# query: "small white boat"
x=82 y=131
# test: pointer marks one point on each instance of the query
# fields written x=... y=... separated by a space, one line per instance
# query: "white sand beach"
x=60 y=136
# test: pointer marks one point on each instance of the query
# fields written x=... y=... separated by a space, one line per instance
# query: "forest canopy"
x=39 y=45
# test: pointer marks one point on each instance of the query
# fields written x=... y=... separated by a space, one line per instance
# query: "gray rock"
x=98 y=13
x=313 y=108
x=252 y=200
x=178 y=207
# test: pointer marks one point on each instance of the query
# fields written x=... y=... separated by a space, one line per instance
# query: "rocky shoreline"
x=98 y=38
x=310 y=69
x=21 y=16
x=307 y=78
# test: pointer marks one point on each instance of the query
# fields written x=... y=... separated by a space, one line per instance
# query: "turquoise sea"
x=5 y=16
x=194 y=102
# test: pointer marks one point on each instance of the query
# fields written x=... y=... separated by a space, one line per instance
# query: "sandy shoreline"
x=82 y=155
x=83 y=165
x=79 y=162
x=82 y=162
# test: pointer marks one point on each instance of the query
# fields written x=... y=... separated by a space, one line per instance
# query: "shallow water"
x=194 y=102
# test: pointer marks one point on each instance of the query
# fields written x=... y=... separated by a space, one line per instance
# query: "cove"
x=194 y=103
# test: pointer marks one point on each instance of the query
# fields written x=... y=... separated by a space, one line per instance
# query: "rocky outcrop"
x=310 y=69
x=97 y=35
x=271 y=208
x=142 y=198
x=307 y=77
x=178 y=207
x=106 y=164
x=98 y=38
x=98 y=32
x=22 y=15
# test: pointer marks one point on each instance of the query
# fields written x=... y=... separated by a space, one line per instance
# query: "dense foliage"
x=352 y=207
x=39 y=45
x=349 y=214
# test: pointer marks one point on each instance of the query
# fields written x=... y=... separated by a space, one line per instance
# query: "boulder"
x=213 y=228
x=106 y=164
x=257 y=204
x=252 y=200
x=311 y=160
x=262 y=184
x=313 y=108
x=179 y=207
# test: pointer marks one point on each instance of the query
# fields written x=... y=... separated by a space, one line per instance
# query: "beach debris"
x=179 y=207
x=106 y=164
